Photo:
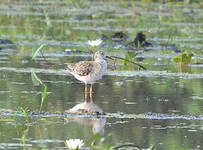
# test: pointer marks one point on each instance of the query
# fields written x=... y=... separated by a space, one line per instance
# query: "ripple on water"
x=164 y=74
x=46 y=141
x=13 y=145
x=196 y=97
x=3 y=92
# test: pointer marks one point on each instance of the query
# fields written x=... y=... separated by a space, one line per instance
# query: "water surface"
x=162 y=106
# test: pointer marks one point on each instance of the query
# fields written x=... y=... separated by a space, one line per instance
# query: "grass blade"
x=35 y=80
x=43 y=97
x=38 y=49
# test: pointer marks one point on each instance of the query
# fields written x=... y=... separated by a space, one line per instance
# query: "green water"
x=64 y=26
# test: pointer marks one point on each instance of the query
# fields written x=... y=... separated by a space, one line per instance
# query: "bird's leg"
x=85 y=92
x=91 y=93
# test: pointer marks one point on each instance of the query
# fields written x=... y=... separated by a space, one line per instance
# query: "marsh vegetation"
x=159 y=107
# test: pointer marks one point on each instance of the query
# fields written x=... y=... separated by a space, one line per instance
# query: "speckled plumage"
x=89 y=71
x=82 y=68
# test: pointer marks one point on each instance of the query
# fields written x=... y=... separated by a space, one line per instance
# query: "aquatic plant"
x=21 y=124
x=94 y=43
x=24 y=112
x=128 y=61
x=36 y=50
x=36 y=82
x=183 y=58
x=43 y=96
x=22 y=130
x=129 y=56
x=74 y=144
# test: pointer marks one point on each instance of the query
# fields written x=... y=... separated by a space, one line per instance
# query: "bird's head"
x=100 y=55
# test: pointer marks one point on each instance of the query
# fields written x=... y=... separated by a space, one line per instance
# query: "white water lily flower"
x=74 y=144
x=95 y=43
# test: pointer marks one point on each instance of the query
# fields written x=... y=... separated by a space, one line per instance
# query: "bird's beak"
x=109 y=57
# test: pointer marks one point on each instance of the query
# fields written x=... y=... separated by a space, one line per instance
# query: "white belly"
x=93 y=76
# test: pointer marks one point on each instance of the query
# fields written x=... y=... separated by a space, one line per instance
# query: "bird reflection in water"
x=97 y=123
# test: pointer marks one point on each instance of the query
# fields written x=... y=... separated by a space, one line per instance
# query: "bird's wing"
x=82 y=68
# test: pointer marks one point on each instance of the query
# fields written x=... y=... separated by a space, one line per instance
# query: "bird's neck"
x=101 y=61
